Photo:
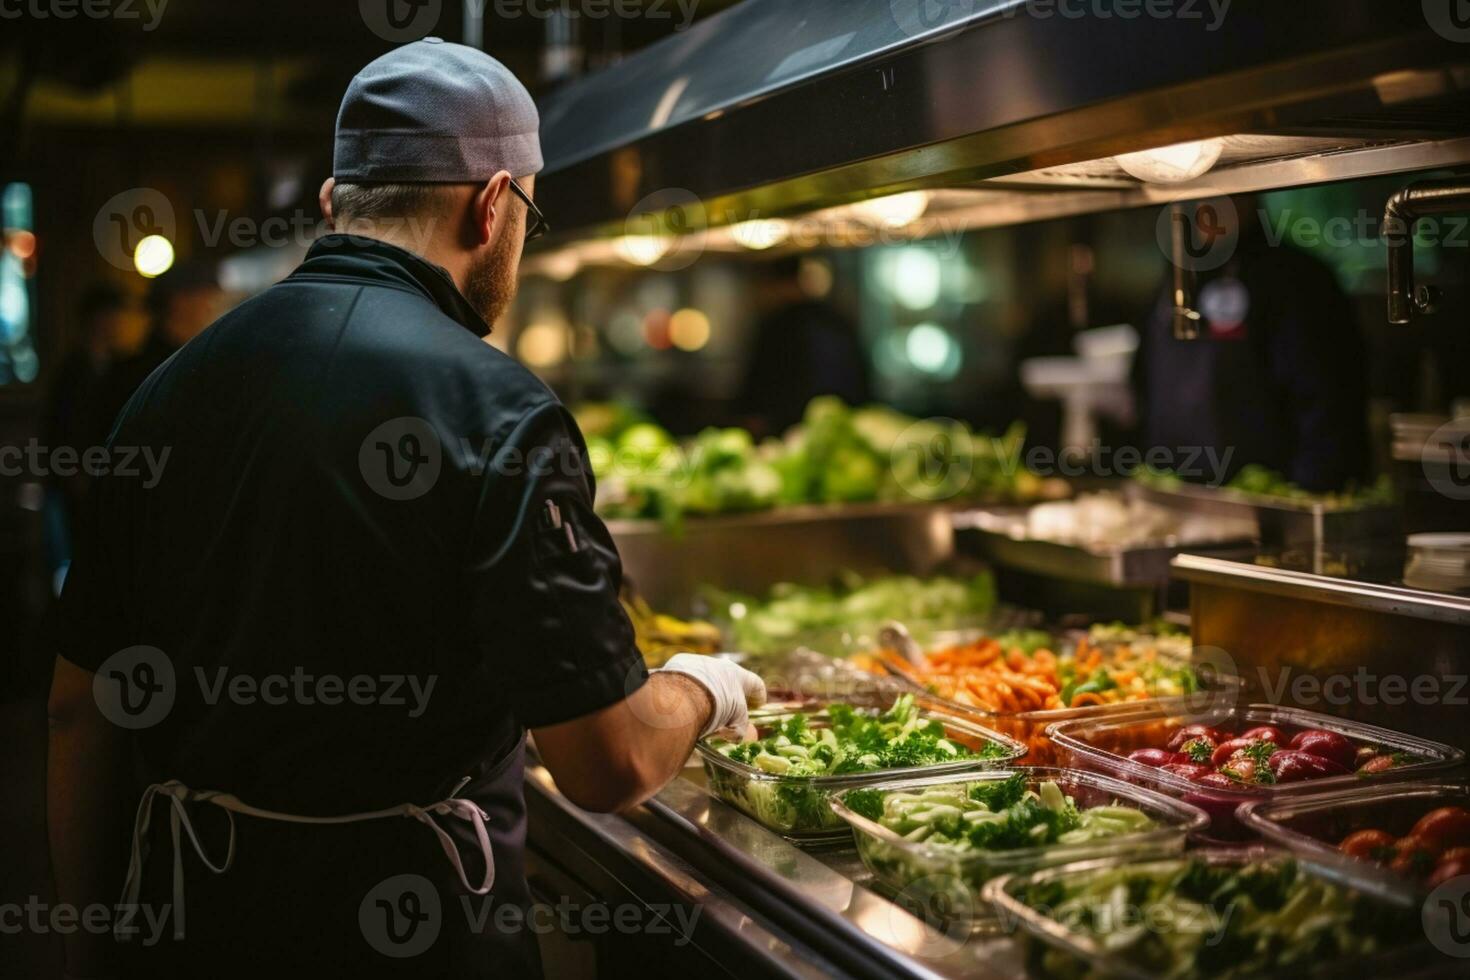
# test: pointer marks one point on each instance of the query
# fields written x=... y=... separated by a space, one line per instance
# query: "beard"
x=491 y=282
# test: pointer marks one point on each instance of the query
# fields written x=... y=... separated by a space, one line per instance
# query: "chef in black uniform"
x=298 y=667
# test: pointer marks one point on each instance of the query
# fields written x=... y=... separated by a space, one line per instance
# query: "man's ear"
x=489 y=208
x=324 y=198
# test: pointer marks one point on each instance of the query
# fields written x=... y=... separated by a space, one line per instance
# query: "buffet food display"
x=836 y=455
x=1044 y=784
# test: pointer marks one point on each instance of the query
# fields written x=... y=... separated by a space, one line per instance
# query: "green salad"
x=995 y=815
x=1260 y=481
x=954 y=837
x=841 y=741
x=791 y=613
x=1189 y=918
x=838 y=454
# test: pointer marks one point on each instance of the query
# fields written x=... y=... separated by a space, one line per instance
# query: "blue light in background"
x=18 y=360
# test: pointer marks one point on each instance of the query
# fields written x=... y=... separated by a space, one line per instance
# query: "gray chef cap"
x=433 y=112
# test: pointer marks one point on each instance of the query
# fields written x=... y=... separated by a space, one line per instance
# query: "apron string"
x=179 y=795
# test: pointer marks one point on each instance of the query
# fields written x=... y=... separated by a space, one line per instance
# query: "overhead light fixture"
x=1173 y=164
x=893 y=211
x=559 y=266
x=644 y=250
x=759 y=234
x=153 y=256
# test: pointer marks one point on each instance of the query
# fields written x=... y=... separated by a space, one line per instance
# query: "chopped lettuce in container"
x=785 y=778
x=1212 y=915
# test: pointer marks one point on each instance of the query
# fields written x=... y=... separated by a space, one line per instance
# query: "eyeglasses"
x=536 y=224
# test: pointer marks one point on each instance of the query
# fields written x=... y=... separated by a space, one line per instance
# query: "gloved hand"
x=733 y=689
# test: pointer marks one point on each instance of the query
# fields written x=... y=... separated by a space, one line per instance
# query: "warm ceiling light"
x=153 y=256
x=642 y=250
x=759 y=234
x=1173 y=164
x=893 y=211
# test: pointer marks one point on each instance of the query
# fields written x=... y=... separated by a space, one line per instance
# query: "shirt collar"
x=368 y=258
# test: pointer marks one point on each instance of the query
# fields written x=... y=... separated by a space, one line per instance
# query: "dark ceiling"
x=53 y=45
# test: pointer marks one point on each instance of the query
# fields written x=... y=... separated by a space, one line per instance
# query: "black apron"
x=377 y=898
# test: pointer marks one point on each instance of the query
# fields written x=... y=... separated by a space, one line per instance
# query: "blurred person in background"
x=1278 y=376
x=180 y=303
x=73 y=405
x=803 y=347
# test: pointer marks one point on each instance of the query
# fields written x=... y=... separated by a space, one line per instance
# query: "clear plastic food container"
x=798 y=807
x=1054 y=948
x=939 y=876
x=1313 y=826
x=1102 y=745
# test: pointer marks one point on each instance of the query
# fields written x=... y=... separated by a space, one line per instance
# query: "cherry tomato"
x=1225 y=750
x=1413 y=857
x=1447 y=826
x=1294 y=766
x=1190 y=733
x=1328 y=745
x=1265 y=733
x=1446 y=870
x=1156 y=757
x=1363 y=843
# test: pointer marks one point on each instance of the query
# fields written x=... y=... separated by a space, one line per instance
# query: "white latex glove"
x=733 y=689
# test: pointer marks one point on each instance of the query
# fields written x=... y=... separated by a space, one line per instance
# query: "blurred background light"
x=642 y=250
x=893 y=211
x=760 y=234
x=930 y=349
x=154 y=256
x=915 y=277
x=689 y=329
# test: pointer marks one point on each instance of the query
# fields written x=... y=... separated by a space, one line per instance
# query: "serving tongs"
x=895 y=636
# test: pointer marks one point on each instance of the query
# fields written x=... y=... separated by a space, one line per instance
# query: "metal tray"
x=749 y=552
x=1279 y=521
x=1001 y=536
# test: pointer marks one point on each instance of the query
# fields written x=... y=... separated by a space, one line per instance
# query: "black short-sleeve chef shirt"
x=361 y=540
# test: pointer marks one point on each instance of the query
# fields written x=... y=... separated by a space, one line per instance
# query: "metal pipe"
x=1187 y=319
x=1402 y=212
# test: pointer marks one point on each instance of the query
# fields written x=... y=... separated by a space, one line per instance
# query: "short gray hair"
x=378 y=201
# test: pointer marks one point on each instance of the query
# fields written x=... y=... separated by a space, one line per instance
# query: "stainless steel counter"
x=791 y=911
